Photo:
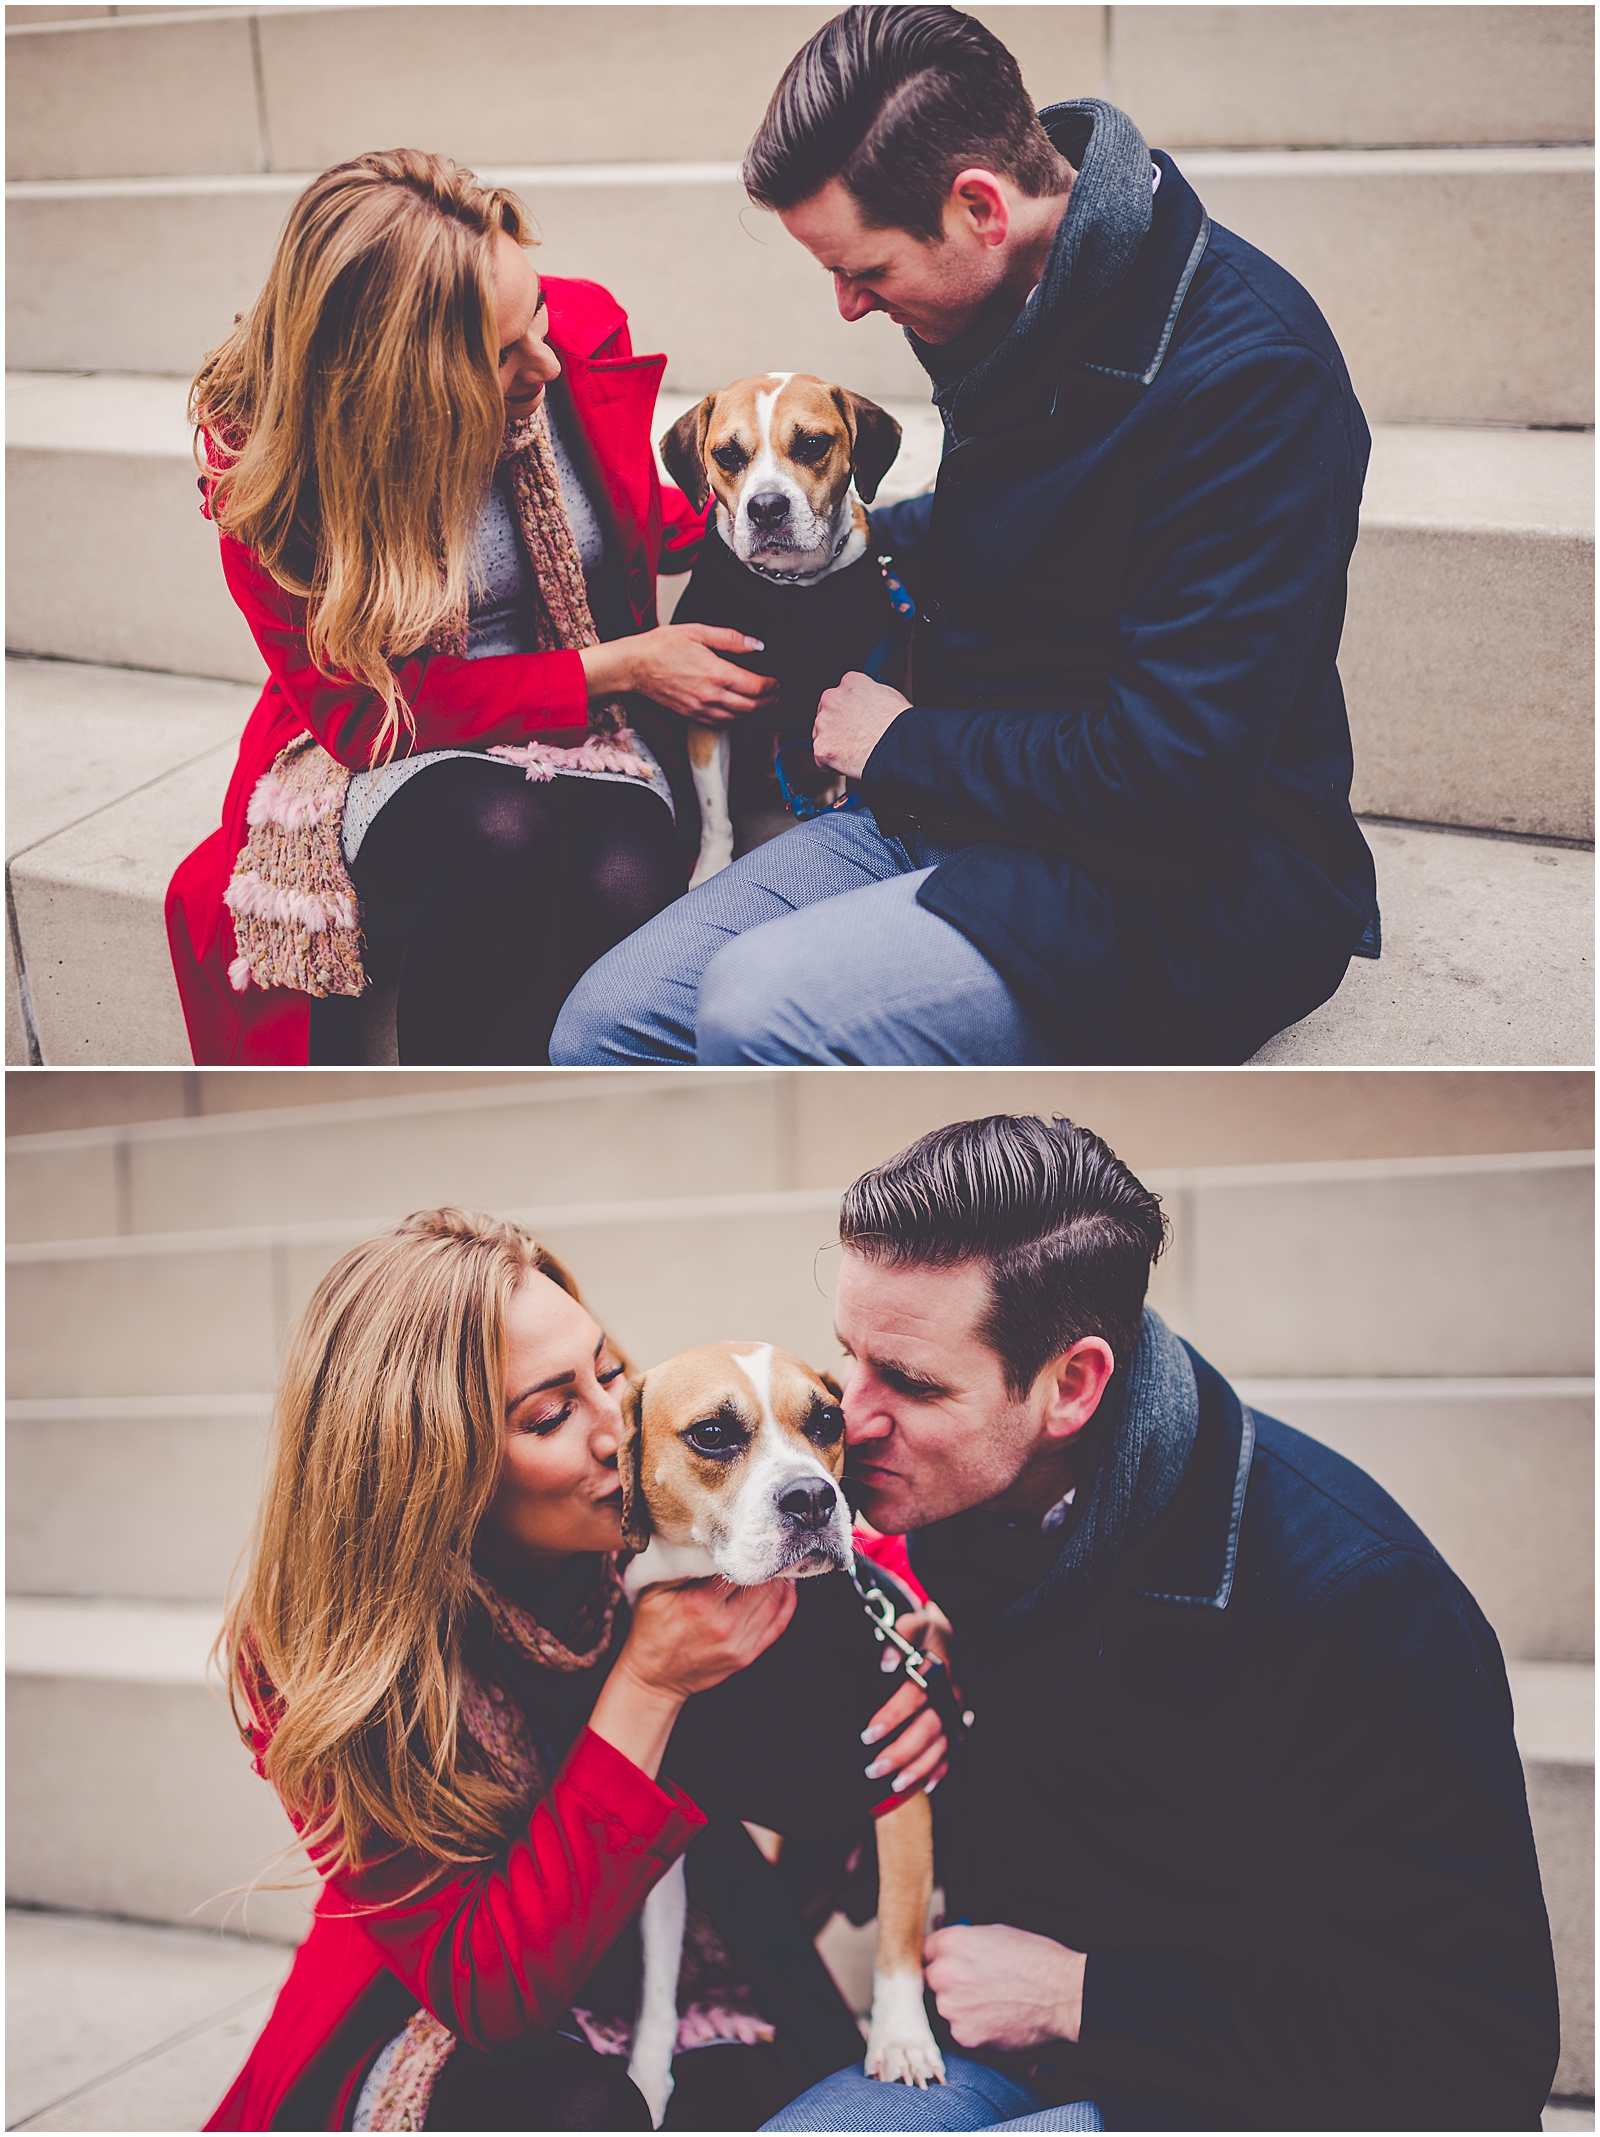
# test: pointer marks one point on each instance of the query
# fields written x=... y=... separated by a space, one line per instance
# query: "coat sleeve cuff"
x=657 y=1814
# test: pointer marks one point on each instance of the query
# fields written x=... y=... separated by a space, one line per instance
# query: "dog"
x=730 y=1463
x=793 y=462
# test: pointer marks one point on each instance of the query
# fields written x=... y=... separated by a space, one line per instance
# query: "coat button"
x=932 y=611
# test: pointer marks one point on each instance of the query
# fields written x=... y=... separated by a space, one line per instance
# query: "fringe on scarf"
x=296 y=916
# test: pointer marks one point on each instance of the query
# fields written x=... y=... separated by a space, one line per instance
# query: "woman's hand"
x=686 y=1636
x=676 y=665
x=921 y=1751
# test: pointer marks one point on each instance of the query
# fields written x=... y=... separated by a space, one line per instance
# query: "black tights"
x=563 y=2085
x=485 y=899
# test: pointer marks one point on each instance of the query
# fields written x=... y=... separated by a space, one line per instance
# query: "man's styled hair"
x=1067 y=1233
x=894 y=102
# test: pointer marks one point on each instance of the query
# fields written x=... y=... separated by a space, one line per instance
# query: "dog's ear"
x=630 y=1452
x=683 y=452
x=875 y=440
x=832 y=1386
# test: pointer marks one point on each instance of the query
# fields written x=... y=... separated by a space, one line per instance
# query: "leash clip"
x=880 y=1615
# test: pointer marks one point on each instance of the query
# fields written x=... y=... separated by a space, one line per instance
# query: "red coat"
x=494 y=1953
x=455 y=702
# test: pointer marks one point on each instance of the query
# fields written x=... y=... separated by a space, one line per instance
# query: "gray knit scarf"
x=1141 y=1463
x=981 y=380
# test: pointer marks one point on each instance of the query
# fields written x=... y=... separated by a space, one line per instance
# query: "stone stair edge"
x=766 y=1202
x=421 y=1104
x=252 y=1406
x=1481 y=448
x=109 y=1640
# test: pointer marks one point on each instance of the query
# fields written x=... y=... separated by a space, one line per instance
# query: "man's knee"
x=746 y=1004
x=589 y=1016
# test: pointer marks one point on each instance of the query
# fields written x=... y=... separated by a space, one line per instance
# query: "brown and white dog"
x=793 y=462
x=730 y=1463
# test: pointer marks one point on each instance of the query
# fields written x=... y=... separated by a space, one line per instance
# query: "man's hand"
x=999 y=1987
x=852 y=720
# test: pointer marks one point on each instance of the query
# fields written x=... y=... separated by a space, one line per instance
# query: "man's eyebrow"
x=545 y=1386
x=911 y=1377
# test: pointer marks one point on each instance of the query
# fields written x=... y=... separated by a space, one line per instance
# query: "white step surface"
x=1488 y=959
x=1376 y=235
x=112 y=776
x=1468 y=652
x=1372 y=1271
x=123 y=2026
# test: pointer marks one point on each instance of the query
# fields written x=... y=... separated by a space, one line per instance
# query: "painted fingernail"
x=928 y=1787
x=879 y=1767
x=902 y=1780
x=872 y=1734
x=756 y=645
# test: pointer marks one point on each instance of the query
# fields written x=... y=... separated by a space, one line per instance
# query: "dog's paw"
x=906 y=2062
x=656 y=2085
x=901 y=2048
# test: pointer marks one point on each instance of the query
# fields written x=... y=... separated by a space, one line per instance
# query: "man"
x=1240 y=1838
x=1110 y=820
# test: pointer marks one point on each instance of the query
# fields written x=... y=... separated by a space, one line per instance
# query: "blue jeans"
x=973 y=2097
x=813 y=948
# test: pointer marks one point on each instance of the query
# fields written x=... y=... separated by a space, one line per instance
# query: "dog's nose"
x=769 y=508
x=810 y=1503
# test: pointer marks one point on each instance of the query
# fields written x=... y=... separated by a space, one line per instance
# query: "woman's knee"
x=508 y=823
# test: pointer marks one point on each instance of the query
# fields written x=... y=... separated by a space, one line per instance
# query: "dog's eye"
x=825 y=1426
x=712 y=1436
x=808 y=446
x=730 y=458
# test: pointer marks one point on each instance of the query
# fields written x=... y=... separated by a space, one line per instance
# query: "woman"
x=432 y=1662
x=432 y=475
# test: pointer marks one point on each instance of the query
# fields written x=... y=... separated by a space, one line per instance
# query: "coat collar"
x=1128 y=338
x=1189 y=1557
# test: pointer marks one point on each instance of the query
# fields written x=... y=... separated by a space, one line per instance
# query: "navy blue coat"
x=1268 y=1783
x=1125 y=706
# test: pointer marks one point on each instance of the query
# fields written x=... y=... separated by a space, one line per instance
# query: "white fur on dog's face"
x=719 y=1438
x=781 y=439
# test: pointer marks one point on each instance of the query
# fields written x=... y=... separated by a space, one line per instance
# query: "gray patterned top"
x=497 y=622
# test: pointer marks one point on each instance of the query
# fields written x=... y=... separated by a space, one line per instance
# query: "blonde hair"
x=356 y=409
x=346 y=1632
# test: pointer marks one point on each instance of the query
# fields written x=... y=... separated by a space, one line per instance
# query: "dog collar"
x=802 y=578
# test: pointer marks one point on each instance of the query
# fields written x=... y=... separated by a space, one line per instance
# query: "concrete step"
x=120 y=2026
x=112 y=776
x=95 y=1673
x=1330 y=77
x=240 y=90
x=183 y=1782
x=151 y=2050
x=1365 y=1270
x=1375 y=235
x=1486 y=958
x=1468 y=648
x=92 y=1480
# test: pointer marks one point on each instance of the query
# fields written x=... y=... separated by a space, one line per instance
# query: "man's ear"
x=683 y=452
x=874 y=440
x=1078 y=1379
x=630 y=1452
